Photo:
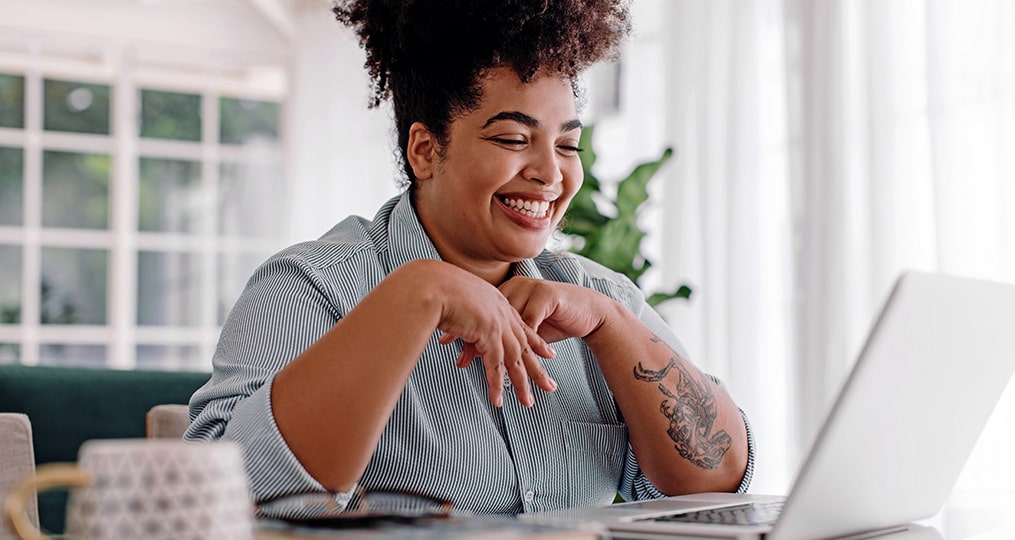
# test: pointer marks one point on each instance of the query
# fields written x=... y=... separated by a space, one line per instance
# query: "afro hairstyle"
x=429 y=56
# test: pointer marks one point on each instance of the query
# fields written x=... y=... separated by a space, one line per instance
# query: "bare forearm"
x=686 y=431
x=332 y=402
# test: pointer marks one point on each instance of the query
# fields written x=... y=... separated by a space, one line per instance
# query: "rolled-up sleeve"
x=283 y=310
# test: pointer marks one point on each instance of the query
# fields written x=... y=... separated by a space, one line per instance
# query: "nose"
x=544 y=166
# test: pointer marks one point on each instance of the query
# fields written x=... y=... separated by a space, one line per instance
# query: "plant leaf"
x=583 y=217
x=658 y=298
x=617 y=246
x=633 y=190
x=614 y=242
x=587 y=155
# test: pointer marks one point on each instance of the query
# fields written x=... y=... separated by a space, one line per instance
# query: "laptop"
x=935 y=363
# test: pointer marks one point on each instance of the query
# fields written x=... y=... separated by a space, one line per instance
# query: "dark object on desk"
x=460 y=527
x=68 y=406
x=361 y=520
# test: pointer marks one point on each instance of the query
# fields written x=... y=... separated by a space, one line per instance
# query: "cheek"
x=573 y=177
x=482 y=176
x=572 y=183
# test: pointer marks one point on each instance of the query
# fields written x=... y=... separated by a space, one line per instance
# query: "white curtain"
x=823 y=146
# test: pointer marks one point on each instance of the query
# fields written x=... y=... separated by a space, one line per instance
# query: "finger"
x=541 y=378
x=538 y=344
x=522 y=299
x=493 y=362
x=517 y=372
x=534 y=367
x=468 y=354
x=446 y=338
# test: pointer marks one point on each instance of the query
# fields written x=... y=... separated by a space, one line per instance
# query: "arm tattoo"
x=691 y=408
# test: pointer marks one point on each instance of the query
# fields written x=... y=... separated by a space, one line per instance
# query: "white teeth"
x=533 y=209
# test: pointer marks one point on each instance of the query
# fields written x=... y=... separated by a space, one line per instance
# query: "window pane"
x=170 y=115
x=10 y=353
x=246 y=119
x=76 y=106
x=73 y=286
x=233 y=272
x=12 y=101
x=168 y=289
x=72 y=355
x=75 y=190
x=169 y=196
x=250 y=199
x=171 y=357
x=12 y=164
x=10 y=284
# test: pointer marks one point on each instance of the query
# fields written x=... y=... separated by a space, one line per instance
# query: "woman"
x=352 y=360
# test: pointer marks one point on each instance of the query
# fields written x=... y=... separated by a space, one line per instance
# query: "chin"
x=530 y=253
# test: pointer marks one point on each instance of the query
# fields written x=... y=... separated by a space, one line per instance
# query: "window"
x=131 y=214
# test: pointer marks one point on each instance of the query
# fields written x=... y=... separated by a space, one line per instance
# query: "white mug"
x=146 y=488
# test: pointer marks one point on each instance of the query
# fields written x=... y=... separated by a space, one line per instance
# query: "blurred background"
x=153 y=152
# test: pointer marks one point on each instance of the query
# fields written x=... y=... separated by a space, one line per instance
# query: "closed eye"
x=569 y=150
x=506 y=142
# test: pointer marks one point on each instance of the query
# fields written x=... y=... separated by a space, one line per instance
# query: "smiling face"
x=503 y=183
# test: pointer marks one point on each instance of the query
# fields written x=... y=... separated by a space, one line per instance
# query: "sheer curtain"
x=823 y=147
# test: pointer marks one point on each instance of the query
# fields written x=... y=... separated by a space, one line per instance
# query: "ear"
x=421 y=151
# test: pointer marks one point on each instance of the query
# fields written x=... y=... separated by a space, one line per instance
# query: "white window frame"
x=127 y=68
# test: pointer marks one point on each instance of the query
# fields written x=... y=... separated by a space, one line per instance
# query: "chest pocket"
x=595 y=461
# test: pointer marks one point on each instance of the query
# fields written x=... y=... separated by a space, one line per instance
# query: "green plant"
x=615 y=242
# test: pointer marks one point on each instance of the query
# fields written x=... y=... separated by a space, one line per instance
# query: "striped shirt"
x=444 y=438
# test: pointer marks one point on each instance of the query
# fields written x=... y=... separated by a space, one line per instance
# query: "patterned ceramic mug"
x=146 y=488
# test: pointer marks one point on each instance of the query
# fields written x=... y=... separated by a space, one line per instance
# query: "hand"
x=556 y=310
x=478 y=314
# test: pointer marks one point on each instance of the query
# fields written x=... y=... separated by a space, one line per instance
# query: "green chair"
x=68 y=406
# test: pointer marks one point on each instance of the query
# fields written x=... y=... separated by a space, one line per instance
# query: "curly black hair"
x=428 y=56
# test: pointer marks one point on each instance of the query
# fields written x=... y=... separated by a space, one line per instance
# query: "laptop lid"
x=935 y=363
x=934 y=366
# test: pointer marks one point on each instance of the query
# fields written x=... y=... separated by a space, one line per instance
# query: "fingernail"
x=499 y=402
x=553 y=385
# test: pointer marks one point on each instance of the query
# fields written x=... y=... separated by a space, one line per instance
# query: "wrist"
x=611 y=316
x=422 y=286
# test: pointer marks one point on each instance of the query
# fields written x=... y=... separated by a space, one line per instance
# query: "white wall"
x=157 y=32
x=341 y=155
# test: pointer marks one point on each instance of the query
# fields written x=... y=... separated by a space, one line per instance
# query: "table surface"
x=980 y=515
x=461 y=528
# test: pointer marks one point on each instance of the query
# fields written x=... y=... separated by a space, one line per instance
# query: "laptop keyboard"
x=763 y=513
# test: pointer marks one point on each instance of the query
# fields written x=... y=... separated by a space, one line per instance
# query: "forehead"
x=547 y=98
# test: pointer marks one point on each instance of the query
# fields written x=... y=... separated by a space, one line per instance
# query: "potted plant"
x=615 y=242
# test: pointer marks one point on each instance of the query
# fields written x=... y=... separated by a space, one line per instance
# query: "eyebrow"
x=529 y=121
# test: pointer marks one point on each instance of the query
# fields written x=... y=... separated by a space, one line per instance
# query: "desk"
x=976 y=515
x=981 y=515
x=454 y=528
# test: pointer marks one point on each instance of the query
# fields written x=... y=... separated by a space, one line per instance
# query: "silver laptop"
x=893 y=444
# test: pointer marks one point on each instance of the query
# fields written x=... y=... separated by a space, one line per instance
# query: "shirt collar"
x=525 y=268
x=407 y=240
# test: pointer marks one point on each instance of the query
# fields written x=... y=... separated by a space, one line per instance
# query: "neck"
x=493 y=272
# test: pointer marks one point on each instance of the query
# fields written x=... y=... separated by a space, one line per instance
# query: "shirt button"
x=529 y=495
x=507 y=382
